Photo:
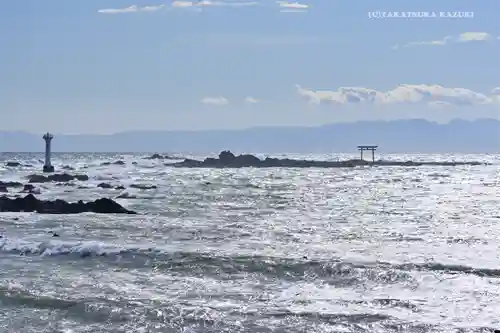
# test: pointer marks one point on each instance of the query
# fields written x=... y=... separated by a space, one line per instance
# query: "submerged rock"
x=228 y=160
x=31 y=204
x=109 y=186
x=13 y=164
x=64 y=177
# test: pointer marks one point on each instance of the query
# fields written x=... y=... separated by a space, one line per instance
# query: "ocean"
x=365 y=249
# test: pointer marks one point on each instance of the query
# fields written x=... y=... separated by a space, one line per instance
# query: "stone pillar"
x=48 y=167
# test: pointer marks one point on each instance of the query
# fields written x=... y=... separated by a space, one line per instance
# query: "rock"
x=104 y=185
x=28 y=188
x=161 y=157
x=143 y=186
x=67 y=167
x=229 y=160
x=64 y=177
x=13 y=164
x=31 y=204
x=114 y=163
x=3 y=189
x=155 y=157
x=65 y=184
x=11 y=184
x=120 y=187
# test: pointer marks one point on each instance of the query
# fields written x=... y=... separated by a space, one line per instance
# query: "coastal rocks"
x=156 y=157
x=14 y=164
x=3 y=189
x=28 y=188
x=109 y=186
x=161 y=157
x=10 y=184
x=64 y=177
x=120 y=162
x=143 y=186
x=31 y=204
x=229 y=160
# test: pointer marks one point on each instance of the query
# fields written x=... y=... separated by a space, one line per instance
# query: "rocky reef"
x=157 y=156
x=228 y=160
x=31 y=204
x=63 y=177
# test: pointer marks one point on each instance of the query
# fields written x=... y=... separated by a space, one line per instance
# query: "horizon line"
x=251 y=128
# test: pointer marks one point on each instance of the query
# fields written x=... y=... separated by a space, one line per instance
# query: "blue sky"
x=67 y=67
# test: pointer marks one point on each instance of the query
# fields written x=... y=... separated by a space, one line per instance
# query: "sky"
x=105 y=66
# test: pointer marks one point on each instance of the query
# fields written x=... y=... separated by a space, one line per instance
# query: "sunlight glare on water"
x=366 y=249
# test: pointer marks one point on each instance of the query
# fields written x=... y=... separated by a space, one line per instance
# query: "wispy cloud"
x=434 y=95
x=462 y=38
x=292 y=7
x=198 y=6
x=209 y=3
x=251 y=100
x=131 y=9
x=215 y=100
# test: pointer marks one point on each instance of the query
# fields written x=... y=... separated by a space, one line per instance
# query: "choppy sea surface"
x=367 y=249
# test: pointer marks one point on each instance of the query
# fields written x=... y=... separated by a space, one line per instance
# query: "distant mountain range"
x=479 y=136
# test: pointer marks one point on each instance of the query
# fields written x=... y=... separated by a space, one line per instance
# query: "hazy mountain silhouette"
x=479 y=136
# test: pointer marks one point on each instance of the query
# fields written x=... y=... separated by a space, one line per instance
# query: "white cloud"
x=152 y=8
x=215 y=100
x=210 y=3
x=131 y=9
x=292 y=7
x=251 y=100
x=404 y=93
x=462 y=38
x=182 y=4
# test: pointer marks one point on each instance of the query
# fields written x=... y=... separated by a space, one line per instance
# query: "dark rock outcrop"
x=109 y=186
x=14 y=164
x=28 y=188
x=10 y=184
x=63 y=177
x=3 y=189
x=143 y=186
x=229 y=160
x=161 y=157
x=31 y=204
x=67 y=167
x=155 y=157
x=120 y=162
